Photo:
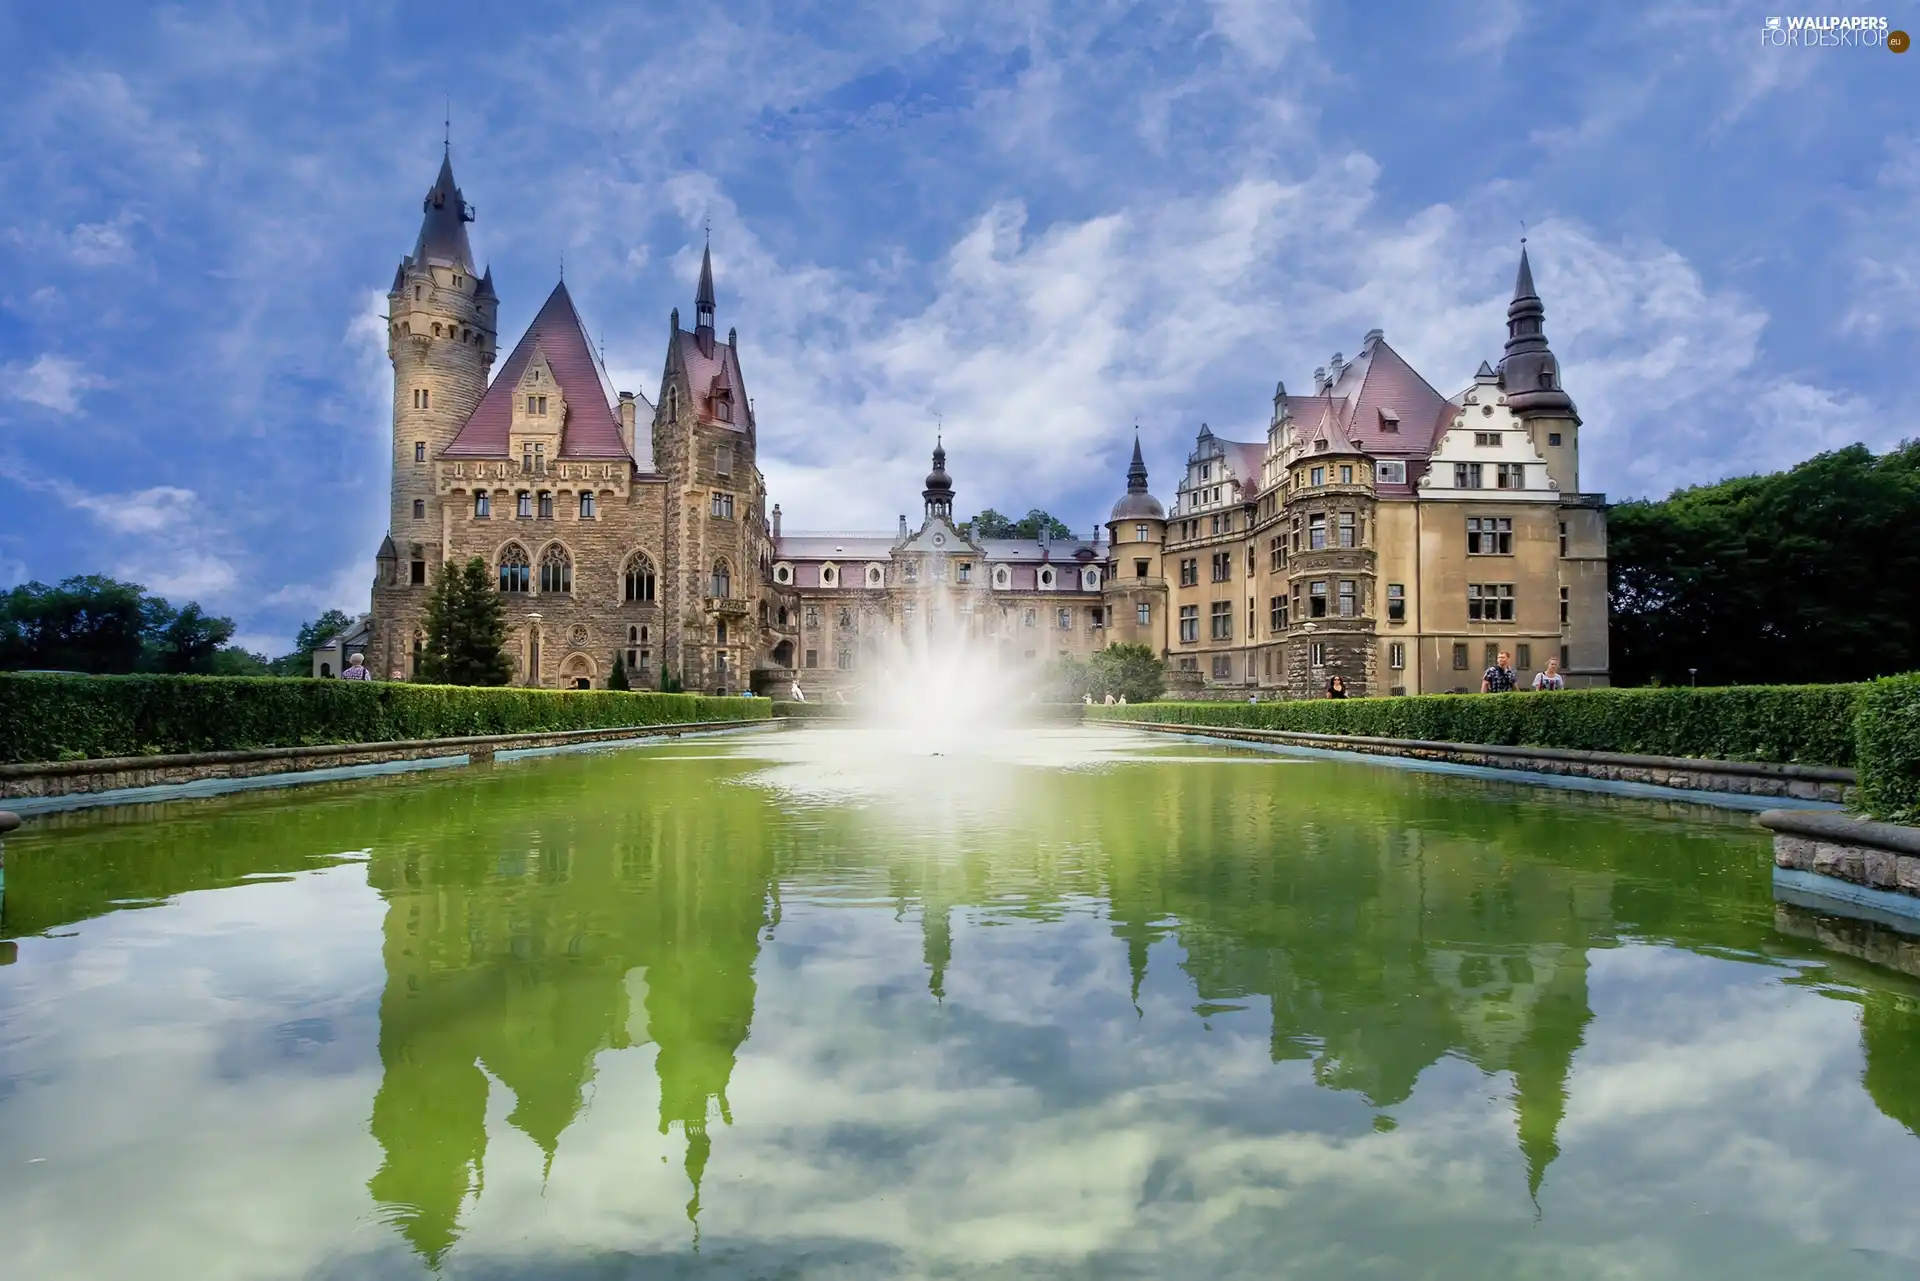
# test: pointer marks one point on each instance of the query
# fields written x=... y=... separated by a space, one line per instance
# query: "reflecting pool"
x=832 y=1002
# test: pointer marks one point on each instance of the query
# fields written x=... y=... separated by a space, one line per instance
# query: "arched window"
x=722 y=580
x=515 y=574
x=556 y=570
x=1002 y=577
x=633 y=635
x=482 y=506
x=874 y=575
x=639 y=578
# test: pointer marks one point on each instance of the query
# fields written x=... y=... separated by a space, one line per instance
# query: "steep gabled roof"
x=702 y=370
x=1378 y=383
x=592 y=429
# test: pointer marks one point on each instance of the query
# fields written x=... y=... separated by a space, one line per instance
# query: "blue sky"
x=1042 y=222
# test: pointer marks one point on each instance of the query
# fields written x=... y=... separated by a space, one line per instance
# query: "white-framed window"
x=1317 y=653
x=1390 y=471
x=1140 y=532
x=876 y=576
x=1002 y=578
x=1469 y=475
x=1090 y=580
x=1510 y=476
x=1046 y=577
x=829 y=575
x=1066 y=620
x=963 y=572
x=783 y=573
x=1143 y=614
x=1397 y=655
x=722 y=506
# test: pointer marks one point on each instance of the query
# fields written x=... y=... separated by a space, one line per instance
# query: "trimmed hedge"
x=1803 y=724
x=1888 y=737
x=50 y=718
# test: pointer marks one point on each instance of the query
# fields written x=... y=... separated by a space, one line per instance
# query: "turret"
x=1529 y=375
x=939 y=490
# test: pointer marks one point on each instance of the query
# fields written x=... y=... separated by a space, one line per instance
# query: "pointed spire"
x=1529 y=373
x=486 y=285
x=703 y=304
x=1137 y=470
x=443 y=225
x=939 y=490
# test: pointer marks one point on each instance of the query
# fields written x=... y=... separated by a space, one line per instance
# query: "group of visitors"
x=1501 y=679
x=1111 y=701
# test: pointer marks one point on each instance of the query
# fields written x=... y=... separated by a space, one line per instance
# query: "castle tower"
x=1530 y=376
x=939 y=491
x=440 y=338
x=1136 y=595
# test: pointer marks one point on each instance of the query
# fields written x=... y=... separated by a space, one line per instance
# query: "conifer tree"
x=617 y=678
x=466 y=630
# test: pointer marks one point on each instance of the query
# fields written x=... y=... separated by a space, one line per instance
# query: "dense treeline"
x=1806 y=575
x=92 y=623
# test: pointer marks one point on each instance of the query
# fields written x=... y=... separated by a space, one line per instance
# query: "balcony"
x=727 y=606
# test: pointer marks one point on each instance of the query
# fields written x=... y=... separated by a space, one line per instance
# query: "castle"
x=1382 y=532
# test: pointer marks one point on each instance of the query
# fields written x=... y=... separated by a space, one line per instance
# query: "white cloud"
x=157 y=510
x=53 y=382
x=103 y=244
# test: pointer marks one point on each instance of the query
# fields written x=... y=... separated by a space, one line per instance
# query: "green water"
x=820 y=1003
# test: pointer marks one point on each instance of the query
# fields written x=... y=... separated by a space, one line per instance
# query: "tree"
x=466 y=629
x=617 y=678
x=1811 y=574
x=190 y=641
x=1132 y=672
x=89 y=623
x=310 y=637
x=991 y=524
x=235 y=661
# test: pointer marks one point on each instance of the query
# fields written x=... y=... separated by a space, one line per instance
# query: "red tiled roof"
x=703 y=370
x=1386 y=382
x=592 y=429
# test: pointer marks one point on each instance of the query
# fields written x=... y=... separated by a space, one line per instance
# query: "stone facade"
x=1381 y=531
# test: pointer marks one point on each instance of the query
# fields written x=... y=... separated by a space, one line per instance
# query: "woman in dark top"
x=1336 y=688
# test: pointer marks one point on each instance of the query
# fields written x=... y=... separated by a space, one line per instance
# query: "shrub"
x=1806 y=724
x=1887 y=740
x=46 y=718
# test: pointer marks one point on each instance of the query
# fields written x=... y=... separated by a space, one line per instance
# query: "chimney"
x=1335 y=368
x=1046 y=535
x=903 y=524
x=1373 y=336
x=776 y=521
x=1320 y=380
x=628 y=412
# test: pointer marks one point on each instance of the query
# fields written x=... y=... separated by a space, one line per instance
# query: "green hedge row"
x=1889 y=745
x=49 y=718
x=1807 y=724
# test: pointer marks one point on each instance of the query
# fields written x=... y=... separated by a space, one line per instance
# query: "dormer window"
x=723 y=411
x=1002 y=577
x=1046 y=578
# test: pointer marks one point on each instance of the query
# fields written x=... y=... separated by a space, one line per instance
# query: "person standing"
x=1499 y=679
x=1336 y=687
x=356 y=669
x=1551 y=678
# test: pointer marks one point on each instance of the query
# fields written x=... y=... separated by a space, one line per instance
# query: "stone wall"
x=1858 y=851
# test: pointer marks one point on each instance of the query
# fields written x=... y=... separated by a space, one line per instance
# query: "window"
x=1089 y=580
x=1293 y=537
x=419 y=509
x=1346 y=473
x=1222 y=667
x=909 y=572
x=1046 y=578
x=1523 y=657
x=843 y=659
x=813 y=658
x=1511 y=476
x=1490 y=602
x=419 y=451
x=723 y=506
x=1143 y=614
x=1222 y=566
x=638 y=578
x=1189 y=571
x=1490 y=655
x=723 y=460
x=1553 y=438
x=1317 y=476
x=720 y=632
x=1397 y=655
x=1189 y=624
x=829 y=575
x=1317 y=653
x=1489 y=536
x=1317 y=599
x=1349 y=598
x=418 y=572
x=556 y=570
x=1563 y=538
x=1396 y=602
x=1486 y=439
x=1565 y=601
x=1206 y=471
x=526 y=458
x=1216 y=524
x=1459 y=658
x=1316 y=532
x=722 y=583
x=1277 y=614
x=963 y=572
x=586 y=506
x=1276 y=553
x=1065 y=618
x=1221 y=620
x=1096 y=616
x=536 y=406
x=524 y=508
x=1349 y=530
x=546 y=504
x=483 y=506
x=418 y=292
x=1140 y=533
x=515 y=574
x=1467 y=476
x=1564 y=652
x=1140 y=568
x=1002 y=577
x=420 y=400
x=1392 y=472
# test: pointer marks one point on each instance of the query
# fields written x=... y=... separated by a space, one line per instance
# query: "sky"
x=1033 y=224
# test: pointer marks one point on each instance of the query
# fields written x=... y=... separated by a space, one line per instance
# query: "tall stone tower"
x=440 y=338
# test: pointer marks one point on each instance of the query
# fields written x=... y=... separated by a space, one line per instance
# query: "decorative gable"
x=539 y=415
